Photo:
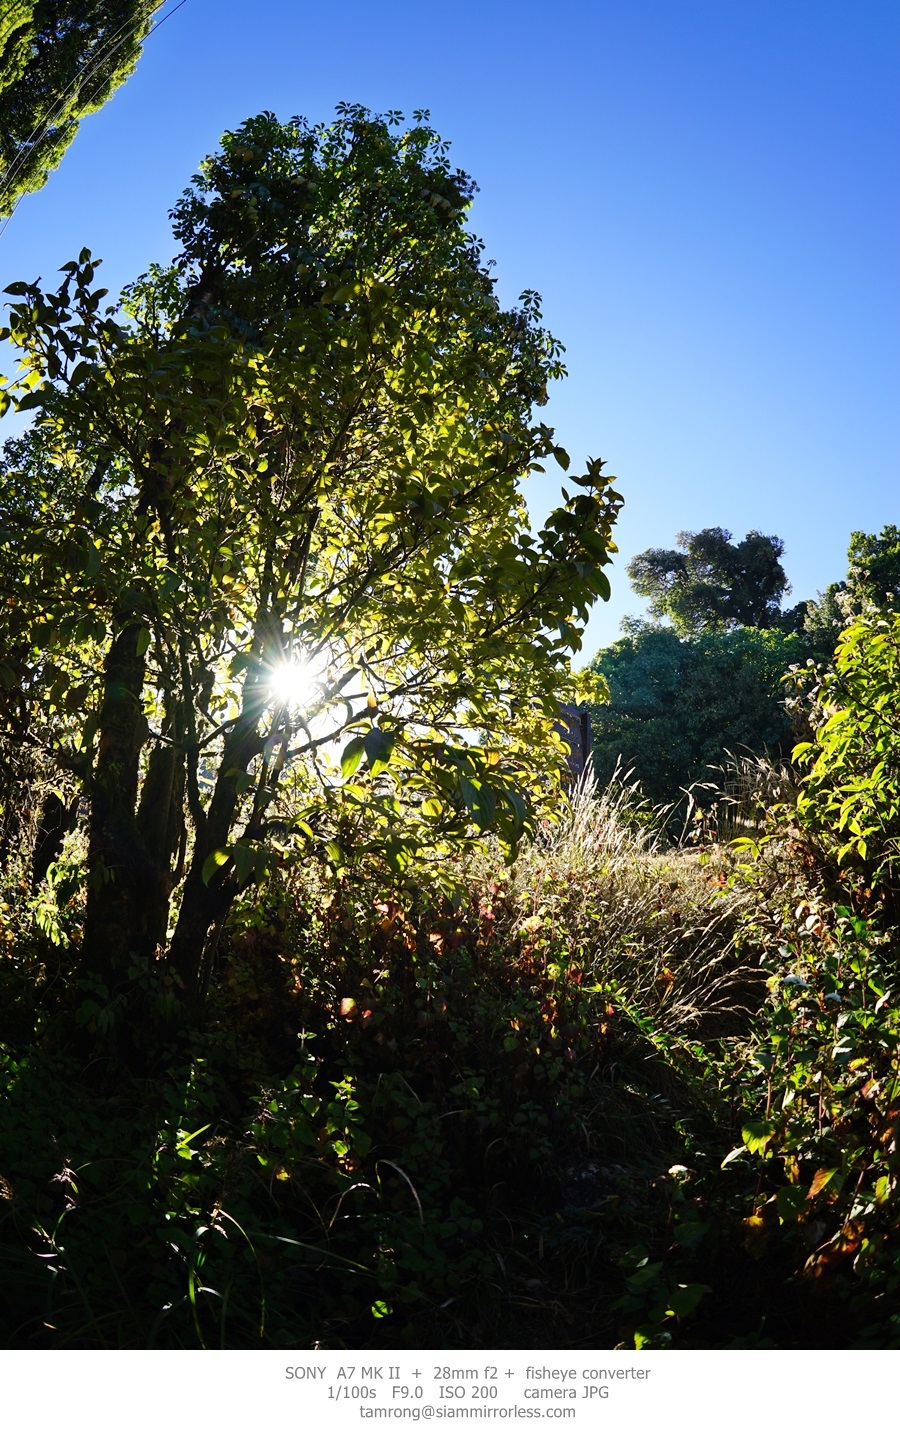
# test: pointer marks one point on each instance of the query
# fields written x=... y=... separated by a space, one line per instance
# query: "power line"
x=40 y=130
x=90 y=66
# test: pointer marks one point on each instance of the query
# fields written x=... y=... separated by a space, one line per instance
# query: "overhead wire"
x=50 y=119
x=88 y=69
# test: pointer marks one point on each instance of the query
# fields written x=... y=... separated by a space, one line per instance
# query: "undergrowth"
x=615 y=1094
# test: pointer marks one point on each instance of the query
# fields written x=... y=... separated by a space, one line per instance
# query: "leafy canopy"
x=300 y=444
x=59 y=60
x=677 y=706
x=712 y=583
x=872 y=581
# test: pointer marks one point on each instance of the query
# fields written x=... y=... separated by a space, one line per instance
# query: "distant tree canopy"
x=710 y=681
x=873 y=579
x=873 y=565
x=677 y=705
x=59 y=60
x=711 y=583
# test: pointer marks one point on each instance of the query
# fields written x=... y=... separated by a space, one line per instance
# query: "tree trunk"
x=160 y=826
x=204 y=904
x=116 y=863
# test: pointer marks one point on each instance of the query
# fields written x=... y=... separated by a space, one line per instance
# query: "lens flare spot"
x=296 y=683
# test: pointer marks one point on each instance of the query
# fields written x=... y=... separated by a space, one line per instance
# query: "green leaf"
x=480 y=801
x=690 y=1233
x=685 y=1299
x=186 y=1137
x=378 y=745
x=335 y=854
x=249 y=860
x=31 y=400
x=757 y=1135
x=213 y=863
x=352 y=754
x=601 y=580
x=398 y=853
x=562 y=457
x=790 y=1203
x=362 y=1142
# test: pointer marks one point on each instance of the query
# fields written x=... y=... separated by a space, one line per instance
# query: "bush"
x=850 y=797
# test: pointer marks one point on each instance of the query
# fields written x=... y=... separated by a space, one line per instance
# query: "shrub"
x=849 y=799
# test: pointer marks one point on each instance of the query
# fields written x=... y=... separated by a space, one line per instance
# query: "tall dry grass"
x=656 y=924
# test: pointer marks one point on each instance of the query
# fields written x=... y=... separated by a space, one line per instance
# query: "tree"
x=872 y=581
x=294 y=455
x=710 y=583
x=59 y=60
x=824 y=620
x=873 y=566
x=676 y=706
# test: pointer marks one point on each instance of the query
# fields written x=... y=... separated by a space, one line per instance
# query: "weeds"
x=578 y=1105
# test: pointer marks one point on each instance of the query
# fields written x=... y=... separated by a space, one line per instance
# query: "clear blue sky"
x=704 y=191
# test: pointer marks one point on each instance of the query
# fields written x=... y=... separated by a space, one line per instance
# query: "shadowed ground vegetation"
x=614 y=1094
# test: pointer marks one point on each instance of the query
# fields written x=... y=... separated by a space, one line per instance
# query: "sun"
x=297 y=683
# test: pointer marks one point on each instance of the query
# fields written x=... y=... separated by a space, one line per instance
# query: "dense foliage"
x=677 y=706
x=274 y=582
x=711 y=583
x=851 y=794
x=612 y=1097
x=872 y=580
x=59 y=60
